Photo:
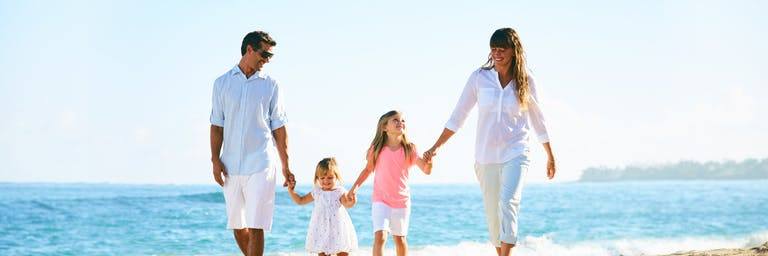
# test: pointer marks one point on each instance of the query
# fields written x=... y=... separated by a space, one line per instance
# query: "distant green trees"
x=684 y=170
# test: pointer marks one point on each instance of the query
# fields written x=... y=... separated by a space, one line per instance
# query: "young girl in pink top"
x=390 y=157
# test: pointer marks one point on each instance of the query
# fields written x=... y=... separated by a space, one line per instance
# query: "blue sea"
x=623 y=218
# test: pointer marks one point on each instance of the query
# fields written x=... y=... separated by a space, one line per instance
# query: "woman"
x=508 y=107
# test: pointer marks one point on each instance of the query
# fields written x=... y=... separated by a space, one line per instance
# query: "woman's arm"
x=300 y=200
x=464 y=106
x=538 y=122
x=447 y=133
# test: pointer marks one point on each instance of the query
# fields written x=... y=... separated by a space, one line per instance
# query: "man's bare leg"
x=241 y=237
x=256 y=242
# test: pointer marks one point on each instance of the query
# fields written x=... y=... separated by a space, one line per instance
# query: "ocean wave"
x=42 y=205
x=205 y=197
x=208 y=197
x=545 y=246
x=45 y=203
x=212 y=197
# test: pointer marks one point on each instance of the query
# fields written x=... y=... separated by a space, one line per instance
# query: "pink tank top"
x=390 y=180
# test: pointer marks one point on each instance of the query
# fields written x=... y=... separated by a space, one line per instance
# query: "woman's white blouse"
x=502 y=128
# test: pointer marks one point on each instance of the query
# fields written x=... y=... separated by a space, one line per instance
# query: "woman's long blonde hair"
x=380 y=139
x=507 y=38
x=325 y=166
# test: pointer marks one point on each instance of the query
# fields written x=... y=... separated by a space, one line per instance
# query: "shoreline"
x=754 y=251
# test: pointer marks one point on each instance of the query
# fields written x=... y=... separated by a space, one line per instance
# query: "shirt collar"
x=236 y=71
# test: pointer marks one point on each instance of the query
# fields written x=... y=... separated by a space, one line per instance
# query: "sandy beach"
x=760 y=250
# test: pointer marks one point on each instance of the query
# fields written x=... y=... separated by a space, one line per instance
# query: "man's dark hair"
x=254 y=39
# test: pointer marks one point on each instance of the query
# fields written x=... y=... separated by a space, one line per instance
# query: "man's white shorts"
x=250 y=200
x=393 y=220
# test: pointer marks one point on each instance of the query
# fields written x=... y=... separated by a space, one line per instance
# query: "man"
x=248 y=120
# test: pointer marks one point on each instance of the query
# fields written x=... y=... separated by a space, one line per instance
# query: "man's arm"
x=217 y=137
x=281 y=141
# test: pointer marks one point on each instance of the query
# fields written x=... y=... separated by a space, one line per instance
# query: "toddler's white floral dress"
x=330 y=228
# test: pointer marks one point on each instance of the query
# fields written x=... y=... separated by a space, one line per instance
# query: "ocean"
x=619 y=218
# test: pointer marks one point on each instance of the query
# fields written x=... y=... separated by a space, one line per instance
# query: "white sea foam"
x=544 y=246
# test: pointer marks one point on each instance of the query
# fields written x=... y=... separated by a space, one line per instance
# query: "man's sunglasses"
x=265 y=54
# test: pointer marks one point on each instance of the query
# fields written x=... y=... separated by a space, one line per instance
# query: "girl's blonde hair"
x=507 y=38
x=325 y=166
x=380 y=139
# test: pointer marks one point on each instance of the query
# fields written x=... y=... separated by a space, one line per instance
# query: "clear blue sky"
x=95 y=91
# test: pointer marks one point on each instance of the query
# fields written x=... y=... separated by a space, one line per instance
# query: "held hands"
x=290 y=180
x=352 y=195
x=429 y=154
x=351 y=199
x=291 y=187
x=219 y=172
x=348 y=200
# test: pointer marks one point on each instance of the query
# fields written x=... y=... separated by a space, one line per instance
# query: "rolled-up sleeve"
x=535 y=113
x=277 y=116
x=217 y=105
x=467 y=101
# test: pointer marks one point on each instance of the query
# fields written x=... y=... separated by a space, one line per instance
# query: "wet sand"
x=755 y=251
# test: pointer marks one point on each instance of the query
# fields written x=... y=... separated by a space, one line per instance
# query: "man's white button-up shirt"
x=248 y=109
